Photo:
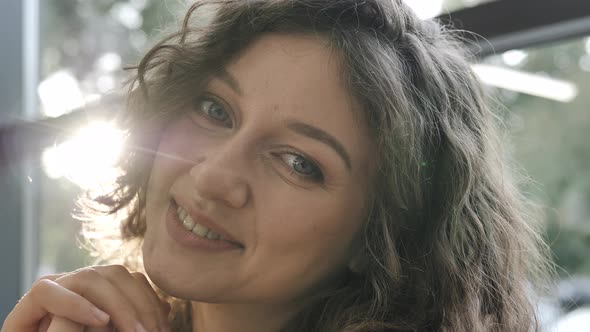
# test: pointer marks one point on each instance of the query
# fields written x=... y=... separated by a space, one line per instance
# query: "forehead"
x=291 y=65
x=300 y=78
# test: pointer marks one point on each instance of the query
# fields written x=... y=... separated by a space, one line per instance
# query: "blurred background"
x=61 y=79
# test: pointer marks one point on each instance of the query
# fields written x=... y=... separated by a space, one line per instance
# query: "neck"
x=244 y=317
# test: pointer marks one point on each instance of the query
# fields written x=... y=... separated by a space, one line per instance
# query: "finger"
x=155 y=299
x=52 y=277
x=44 y=324
x=108 y=328
x=60 y=324
x=136 y=287
x=147 y=287
x=90 y=284
x=47 y=297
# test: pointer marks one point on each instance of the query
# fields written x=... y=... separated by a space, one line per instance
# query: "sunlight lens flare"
x=87 y=159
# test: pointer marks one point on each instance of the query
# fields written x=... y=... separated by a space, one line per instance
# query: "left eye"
x=214 y=111
x=303 y=167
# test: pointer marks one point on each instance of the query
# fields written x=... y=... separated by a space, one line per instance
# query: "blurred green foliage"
x=551 y=140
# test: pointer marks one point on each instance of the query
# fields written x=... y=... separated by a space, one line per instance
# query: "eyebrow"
x=228 y=79
x=322 y=136
x=297 y=126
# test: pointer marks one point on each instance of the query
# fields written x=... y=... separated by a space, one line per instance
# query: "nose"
x=217 y=177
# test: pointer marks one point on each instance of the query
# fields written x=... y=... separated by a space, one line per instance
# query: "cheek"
x=179 y=147
x=162 y=175
x=316 y=219
x=173 y=158
x=310 y=225
x=303 y=243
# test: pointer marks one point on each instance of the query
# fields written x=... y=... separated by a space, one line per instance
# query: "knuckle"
x=39 y=287
x=82 y=279
x=50 y=276
x=87 y=273
x=116 y=270
x=41 y=282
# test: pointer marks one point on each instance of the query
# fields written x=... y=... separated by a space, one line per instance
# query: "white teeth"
x=200 y=230
x=212 y=235
x=196 y=228
x=188 y=223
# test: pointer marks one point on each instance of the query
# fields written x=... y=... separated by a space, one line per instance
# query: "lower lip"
x=188 y=239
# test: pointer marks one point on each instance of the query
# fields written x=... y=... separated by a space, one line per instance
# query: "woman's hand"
x=60 y=324
x=125 y=299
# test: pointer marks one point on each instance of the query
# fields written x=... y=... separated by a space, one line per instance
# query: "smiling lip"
x=189 y=239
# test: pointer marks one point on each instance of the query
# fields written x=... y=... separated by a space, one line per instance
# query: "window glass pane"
x=84 y=46
x=544 y=91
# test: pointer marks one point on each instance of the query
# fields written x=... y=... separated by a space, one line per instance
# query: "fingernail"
x=100 y=315
x=139 y=328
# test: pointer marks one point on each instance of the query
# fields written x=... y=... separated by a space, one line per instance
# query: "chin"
x=174 y=282
x=166 y=281
x=163 y=282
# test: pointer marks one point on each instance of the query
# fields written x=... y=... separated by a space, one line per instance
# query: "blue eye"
x=303 y=167
x=214 y=111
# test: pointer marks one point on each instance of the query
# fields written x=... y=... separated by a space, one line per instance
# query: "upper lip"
x=201 y=218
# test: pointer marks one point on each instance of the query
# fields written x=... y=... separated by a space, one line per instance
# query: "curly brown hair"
x=449 y=242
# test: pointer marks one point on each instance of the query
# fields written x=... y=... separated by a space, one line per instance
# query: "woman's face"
x=271 y=156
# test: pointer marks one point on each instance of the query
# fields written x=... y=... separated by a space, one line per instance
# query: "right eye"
x=213 y=111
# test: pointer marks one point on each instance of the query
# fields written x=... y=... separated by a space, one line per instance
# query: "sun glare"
x=88 y=158
x=425 y=9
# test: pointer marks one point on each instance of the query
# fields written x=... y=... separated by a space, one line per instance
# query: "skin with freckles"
x=275 y=153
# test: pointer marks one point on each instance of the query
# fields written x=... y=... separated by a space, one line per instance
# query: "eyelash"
x=316 y=177
x=198 y=104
